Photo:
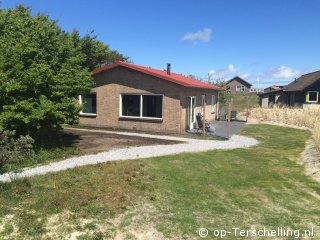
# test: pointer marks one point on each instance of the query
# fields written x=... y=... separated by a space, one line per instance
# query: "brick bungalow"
x=128 y=96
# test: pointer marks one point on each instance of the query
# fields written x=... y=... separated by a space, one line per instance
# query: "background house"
x=128 y=96
x=301 y=92
x=238 y=85
x=273 y=95
x=304 y=90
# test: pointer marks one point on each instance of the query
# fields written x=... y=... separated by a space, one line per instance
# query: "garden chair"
x=222 y=115
x=233 y=115
x=208 y=127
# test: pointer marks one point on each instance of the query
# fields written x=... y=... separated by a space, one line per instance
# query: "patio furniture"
x=222 y=115
x=233 y=115
x=208 y=127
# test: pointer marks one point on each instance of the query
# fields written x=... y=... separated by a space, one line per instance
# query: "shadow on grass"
x=50 y=146
x=56 y=139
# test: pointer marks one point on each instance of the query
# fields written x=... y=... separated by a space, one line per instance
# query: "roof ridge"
x=173 y=77
x=310 y=73
x=298 y=79
x=241 y=79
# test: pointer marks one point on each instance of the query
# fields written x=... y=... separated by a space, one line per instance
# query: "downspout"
x=217 y=106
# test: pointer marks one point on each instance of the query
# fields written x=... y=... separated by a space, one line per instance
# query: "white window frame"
x=203 y=98
x=141 y=106
x=81 y=102
x=194 y=112
x=242 y=89
x=309 y=96
x=213 y=102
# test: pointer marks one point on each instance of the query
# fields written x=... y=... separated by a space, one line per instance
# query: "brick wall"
x=233 y=85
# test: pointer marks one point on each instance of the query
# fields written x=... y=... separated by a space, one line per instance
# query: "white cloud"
x=283 y=72
x=244 y=75
x=225 y=73
x=201 y=35
x=281 y=75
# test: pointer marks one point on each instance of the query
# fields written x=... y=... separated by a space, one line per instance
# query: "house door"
x=191 y=112
x=272 y=100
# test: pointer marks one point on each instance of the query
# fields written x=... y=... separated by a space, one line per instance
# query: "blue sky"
x=270 y=41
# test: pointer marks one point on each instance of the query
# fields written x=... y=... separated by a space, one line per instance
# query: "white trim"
x=141 y=106
x=194 y=112
x=86 y=114
x=146 y=118
x=203 y=99
x=213 y=102
x=309 y=96
x=120 y=105
x=242 y=88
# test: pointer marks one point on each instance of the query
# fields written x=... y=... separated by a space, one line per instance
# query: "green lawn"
x=172 y=196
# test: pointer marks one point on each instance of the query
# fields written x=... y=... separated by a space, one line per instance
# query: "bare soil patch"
x=93 y=142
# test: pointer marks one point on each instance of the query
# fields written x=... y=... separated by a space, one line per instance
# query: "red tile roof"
x=276 y=87
x=173 y=77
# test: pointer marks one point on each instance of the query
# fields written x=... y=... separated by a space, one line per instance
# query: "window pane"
x=90 y=103
x=213 y=102
x=202 y=102
x=131 y=105
x=272 y=100
x=313 y=96
x=152 y=106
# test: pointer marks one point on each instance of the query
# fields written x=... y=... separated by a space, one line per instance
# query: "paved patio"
x=221 y=128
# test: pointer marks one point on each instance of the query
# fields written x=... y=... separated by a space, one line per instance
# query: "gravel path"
x=188 y=145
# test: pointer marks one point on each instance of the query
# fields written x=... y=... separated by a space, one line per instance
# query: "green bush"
x=43 y=70
x=14 y=149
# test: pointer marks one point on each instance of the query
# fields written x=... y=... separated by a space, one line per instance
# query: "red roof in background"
x=276 y=88
x=173 y=77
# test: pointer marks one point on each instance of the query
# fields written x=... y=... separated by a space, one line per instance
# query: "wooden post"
x=204 y=117
x=247 y=113
x=229 y=119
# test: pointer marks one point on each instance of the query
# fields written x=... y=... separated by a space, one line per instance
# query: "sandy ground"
x=92 y=142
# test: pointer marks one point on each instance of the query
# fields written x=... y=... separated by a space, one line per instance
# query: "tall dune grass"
x=306 y=117
x=316 y=134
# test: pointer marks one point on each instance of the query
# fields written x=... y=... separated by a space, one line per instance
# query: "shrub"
x=43 y=69
x=12 y=148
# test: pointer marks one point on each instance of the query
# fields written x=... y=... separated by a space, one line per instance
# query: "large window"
x=141 y=105
x=152 y=106
x=312 y=96
x=240 y=88
x=89 y=102
x=131 y=105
